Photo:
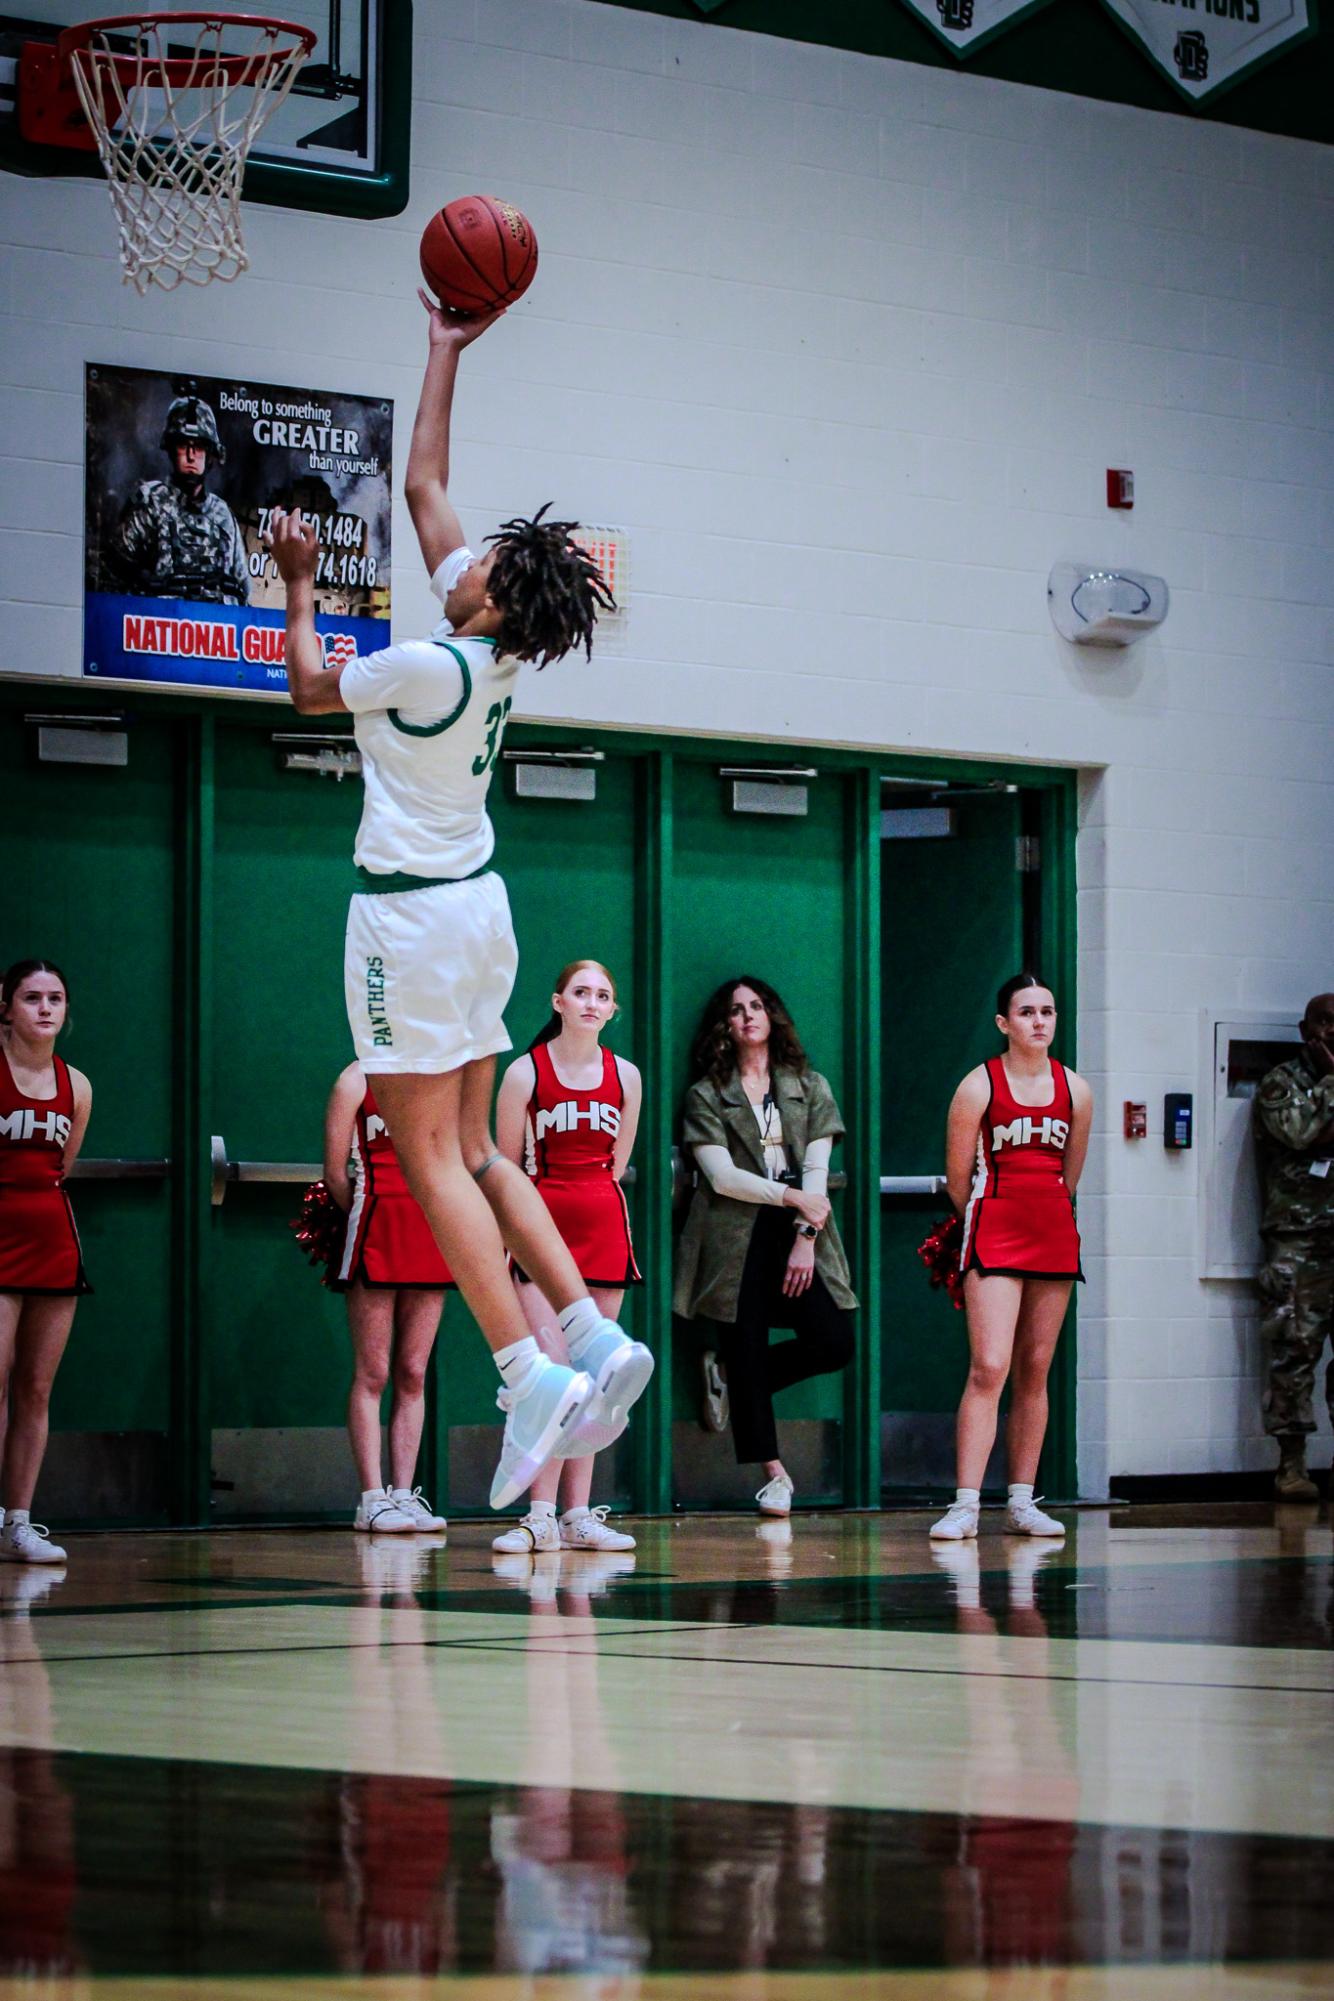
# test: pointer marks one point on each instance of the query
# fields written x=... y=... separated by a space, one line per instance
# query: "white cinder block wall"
x=847 y=346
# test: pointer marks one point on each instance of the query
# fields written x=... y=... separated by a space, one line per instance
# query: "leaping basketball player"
x=430 y=954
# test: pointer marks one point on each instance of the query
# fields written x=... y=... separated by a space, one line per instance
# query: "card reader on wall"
x=1178 y=1120
x=1105 y=607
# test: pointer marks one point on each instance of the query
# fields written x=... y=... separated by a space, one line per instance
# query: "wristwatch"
x=807 y=1230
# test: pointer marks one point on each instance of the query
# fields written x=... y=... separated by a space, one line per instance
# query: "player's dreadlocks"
x=548 y=591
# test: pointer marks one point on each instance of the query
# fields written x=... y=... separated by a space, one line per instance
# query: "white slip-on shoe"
x=537 y=1426
x=382 y=1516
x=1027 y=1518
x=775 y=1498
x=957 y=1524
x=590 y=1530
x=714 y=1403
x=534 y=1532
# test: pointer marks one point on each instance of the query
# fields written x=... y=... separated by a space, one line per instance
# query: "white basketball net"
x=174 y=126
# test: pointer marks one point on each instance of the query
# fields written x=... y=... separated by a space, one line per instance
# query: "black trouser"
x=756 y=1371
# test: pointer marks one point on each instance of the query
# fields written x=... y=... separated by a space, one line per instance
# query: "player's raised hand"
x=295 y=544
x=455 y=329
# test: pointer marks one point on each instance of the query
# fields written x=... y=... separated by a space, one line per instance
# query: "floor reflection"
x=160 y=1866
x=38 y=1874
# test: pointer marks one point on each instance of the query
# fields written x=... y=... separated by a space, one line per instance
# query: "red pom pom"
x=320 y=1228
x=940 y=1254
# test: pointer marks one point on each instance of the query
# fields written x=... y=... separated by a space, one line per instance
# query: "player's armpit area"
x=322 y=695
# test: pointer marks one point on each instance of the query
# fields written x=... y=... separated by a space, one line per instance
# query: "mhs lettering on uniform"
x=567 y=1117
x=1024 y=1132
x=24 y=1125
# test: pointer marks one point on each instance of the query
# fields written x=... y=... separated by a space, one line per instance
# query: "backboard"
x=339 y=143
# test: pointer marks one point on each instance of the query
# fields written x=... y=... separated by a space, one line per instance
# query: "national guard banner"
x=1203 y=46
x=964 y=25
x=182 y=475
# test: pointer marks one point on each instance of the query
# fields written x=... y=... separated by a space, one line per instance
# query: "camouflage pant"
x=1296 y=1287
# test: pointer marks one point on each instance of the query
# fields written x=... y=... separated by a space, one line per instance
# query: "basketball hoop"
x=174 y=115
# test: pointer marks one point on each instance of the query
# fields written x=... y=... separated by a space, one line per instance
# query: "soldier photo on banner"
x=1294 y=1132
x=183 y=473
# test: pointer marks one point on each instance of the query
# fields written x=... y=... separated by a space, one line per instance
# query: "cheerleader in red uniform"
x=1014 y=1149
x=395 y=1280
x=44 y=1107
x=568 y=1111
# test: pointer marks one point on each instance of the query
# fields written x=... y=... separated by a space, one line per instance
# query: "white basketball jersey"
x=429 y=718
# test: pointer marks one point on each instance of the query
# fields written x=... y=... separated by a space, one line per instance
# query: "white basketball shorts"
x=428 y=974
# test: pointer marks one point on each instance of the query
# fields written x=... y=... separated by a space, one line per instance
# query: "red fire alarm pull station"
x=1120 y=488
x=1136 y=1121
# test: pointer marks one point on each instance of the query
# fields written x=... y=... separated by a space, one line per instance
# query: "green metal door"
x=89 y=881
x=763 y=893
x=951 y=930
x=275 y=1339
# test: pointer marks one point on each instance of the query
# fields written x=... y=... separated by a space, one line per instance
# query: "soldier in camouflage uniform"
x=174 y=538
x=1294 y=1128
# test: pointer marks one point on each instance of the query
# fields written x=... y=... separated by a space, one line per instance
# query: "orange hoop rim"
x=183 y=71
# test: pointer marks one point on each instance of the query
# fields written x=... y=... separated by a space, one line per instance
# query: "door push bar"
x=224 y=1171
x=119 y=1170
x=912 y=1184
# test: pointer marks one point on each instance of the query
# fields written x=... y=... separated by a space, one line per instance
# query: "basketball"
x=478 y=253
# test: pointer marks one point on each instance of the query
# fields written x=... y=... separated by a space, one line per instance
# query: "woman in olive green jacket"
x=760 y=1248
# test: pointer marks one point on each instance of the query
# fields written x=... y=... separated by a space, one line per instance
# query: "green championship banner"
x=965 y=25
x=1203 y=46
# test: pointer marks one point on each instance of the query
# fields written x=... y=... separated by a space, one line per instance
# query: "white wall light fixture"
x=1104 y=607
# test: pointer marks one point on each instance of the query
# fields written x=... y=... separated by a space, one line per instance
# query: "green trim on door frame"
x=192 y=1108
x=861 y=1425
x=192 y=1218
x=653 y=977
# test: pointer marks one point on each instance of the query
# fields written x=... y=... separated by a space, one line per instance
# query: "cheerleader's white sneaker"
x=533 y=1533
x=957 y=1524
x=1027 y=1518
x=416 y=1505
x=22 y=1541
x=588 y=1528
x=380 y=1514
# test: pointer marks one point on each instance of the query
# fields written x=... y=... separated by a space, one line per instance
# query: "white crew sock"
x=1020 y=1494
x=579 y=1323
x=520 y=1365
x=372 y=1494
x=574 y=1514
x=15 y=1517
x=546 y=1509
x=968 y=1497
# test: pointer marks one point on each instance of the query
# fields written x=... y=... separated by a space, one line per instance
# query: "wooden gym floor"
x=750 y=1764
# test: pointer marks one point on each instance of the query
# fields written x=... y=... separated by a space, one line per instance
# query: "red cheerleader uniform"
x=1020 y=1220
x=39 y=1245
x=572 y=1135
x=388 y=1241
